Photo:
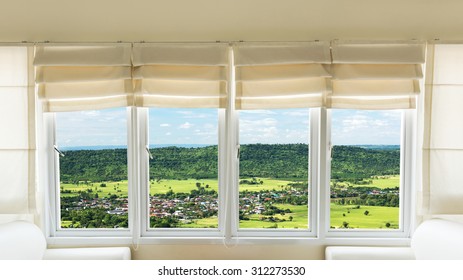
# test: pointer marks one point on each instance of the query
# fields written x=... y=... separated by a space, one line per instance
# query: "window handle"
x=58 y=151
x=238 y=151
x=150 y=155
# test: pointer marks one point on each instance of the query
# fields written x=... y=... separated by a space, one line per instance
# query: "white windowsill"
x=241 y=241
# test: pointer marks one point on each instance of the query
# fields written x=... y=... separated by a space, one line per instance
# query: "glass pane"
x=93 y=170
x=365 y=169
x=184 y=169
x=274 y=156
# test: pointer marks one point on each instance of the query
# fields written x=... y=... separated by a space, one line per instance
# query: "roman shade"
x=192 y=75
x=375 y=75
x=442 y=192
x=17 y=127
x=281 y=75
x=83 y=77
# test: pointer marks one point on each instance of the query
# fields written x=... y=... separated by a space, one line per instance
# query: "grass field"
x=389 y=182
x=377 y=217
x=382 y=183
x=163 y=186
x=299 y=214
x=180 y=186
x=211 y=222
x=118 y=188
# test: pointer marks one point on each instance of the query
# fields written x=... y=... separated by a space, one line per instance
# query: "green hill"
x=283 y=161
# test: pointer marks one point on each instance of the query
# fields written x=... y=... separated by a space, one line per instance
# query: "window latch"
x=58 y=151
x=238 y=151
x=150 y=155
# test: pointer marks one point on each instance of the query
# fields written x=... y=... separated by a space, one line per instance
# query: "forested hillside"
x=256 y=160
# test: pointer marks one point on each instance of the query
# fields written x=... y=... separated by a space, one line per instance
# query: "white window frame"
x=145 y=230
x=228 y=230
x=311 y=231
x=54 y=217
x=406 y=182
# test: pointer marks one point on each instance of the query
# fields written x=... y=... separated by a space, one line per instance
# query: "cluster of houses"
x=202 y=206
x=188 y=208
x=116 y=206
x=355 y=192
x=184 y=209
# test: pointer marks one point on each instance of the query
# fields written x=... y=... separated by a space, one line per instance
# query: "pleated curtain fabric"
x=376 y=75
x=17 y=141
x=281 y=75
x=84 y=77
x=170 y=75
x=443 y=131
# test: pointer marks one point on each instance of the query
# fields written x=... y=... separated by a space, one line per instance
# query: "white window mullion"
x=134 y=171
x=324 y=173
x=144 y=190
x=314 y=170
x=230 y=200
x=52 y=170
x=407 y=170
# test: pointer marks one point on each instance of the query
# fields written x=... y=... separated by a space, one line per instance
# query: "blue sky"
x=199 y=126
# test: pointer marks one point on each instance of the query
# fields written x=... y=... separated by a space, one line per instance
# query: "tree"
x=345 y=224
x=366 y=213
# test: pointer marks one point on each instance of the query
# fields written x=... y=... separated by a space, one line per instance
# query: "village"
x=191 y=207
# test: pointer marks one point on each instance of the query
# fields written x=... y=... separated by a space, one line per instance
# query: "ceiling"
x=228 y=20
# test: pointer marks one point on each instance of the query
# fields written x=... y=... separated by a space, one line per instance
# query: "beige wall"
x=220 y=252
x=200 y=20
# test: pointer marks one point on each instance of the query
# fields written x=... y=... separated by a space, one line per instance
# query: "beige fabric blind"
x=281 y=75
x=84 y=77
x=443 y=131
x=17 y=127
x=192 y=75
x=375 y=75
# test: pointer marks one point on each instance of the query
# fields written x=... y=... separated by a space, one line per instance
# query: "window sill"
x=241 y=241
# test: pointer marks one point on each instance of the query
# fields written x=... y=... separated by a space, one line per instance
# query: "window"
x=92 y=164
x=183 y=168
x=365 y=169
x=273 y=170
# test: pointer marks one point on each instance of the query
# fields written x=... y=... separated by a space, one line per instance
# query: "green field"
x=118 y=188
x=383 y=183
x=377 y=217
x=163 y=186
x=210 y=222
x=298 y=212
x=180 y=186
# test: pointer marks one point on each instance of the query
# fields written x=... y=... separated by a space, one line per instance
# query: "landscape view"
x=273 y=184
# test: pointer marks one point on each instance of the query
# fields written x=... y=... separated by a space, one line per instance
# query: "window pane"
x=273 y=185
x=365 y=169
x=93 y=170
x=184 y=169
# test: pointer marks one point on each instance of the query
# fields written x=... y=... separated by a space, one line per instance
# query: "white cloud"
x=297 y=113
x=195 y=115
x=366 y=127
x=259 y=112
x=92 y=113
x=168 y=133
x=186 y=125
x=164 y=125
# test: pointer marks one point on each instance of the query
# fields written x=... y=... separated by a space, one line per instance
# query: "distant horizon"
x=155 y=146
